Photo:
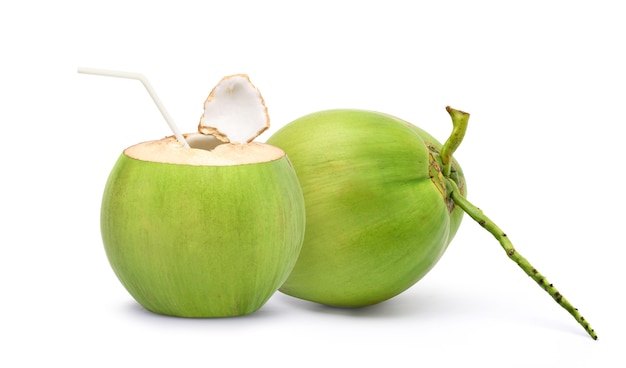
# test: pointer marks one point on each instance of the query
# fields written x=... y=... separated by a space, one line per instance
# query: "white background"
x=544 y=83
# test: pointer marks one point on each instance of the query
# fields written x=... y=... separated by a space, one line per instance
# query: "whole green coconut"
x=378 y=213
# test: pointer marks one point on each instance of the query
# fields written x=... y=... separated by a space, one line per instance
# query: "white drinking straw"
x=146 y=83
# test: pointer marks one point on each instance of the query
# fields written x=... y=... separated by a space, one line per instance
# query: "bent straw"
x=151 y=91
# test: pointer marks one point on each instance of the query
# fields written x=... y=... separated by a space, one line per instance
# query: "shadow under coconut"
x=136 y=311
x=430 y=305
x=426 y=303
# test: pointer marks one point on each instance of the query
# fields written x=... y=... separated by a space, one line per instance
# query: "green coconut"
x=378 y=214
x=207 y=231
x=383 y=201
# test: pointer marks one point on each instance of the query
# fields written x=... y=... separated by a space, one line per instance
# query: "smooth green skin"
x=376 y=221
x=202 y=241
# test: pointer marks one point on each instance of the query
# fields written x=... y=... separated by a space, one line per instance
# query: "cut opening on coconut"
x=235 y=111
x=204 y=142
x=204 y=151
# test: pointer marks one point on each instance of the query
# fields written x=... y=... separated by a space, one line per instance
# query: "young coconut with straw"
x=204 y=225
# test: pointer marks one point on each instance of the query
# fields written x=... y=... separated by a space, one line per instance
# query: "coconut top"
x=204 y=151
x=235 y=111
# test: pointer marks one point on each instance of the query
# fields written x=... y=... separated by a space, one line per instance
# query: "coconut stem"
x=151 y=91
x=460 y=120
x=478 y=216
x=459 y=126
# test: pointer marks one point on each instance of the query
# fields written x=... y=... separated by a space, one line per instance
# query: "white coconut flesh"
x=205 y=151
x=234 y=111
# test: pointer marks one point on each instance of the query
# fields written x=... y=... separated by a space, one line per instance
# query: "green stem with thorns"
x=460 y=120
